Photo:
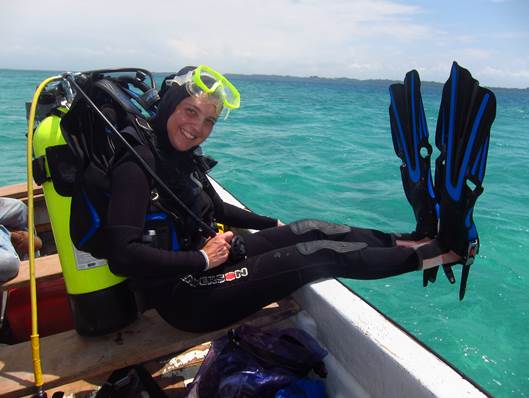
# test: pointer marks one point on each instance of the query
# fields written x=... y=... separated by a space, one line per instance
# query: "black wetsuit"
x=280 y=259
x=277 y=264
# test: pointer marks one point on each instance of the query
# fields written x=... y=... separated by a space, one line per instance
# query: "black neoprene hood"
x=172 y=97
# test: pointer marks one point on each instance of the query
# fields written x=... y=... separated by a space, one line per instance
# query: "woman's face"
x=191 y=122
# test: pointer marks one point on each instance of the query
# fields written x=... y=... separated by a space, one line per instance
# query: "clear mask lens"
x=206 y=81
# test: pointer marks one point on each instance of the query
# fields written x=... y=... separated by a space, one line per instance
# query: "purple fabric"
x=251 y=362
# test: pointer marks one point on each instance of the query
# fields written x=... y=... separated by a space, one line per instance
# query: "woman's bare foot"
x=432 y=254
x=445 y=258
x=413 y=243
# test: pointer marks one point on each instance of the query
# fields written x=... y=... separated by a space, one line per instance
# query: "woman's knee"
x=318 y=228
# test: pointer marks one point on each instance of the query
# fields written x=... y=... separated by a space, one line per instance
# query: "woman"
x=198 y=287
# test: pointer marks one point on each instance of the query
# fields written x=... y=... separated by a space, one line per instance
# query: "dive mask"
x=206 y=80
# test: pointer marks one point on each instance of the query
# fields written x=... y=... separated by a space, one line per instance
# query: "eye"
x=191 y=112
x=211 y=121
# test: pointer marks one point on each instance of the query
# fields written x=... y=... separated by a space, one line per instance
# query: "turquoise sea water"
x=302 y=148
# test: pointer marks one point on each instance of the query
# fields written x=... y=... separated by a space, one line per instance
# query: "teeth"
x=188 y=135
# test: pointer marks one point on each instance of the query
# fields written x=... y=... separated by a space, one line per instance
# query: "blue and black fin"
x=409 y=132
x=410 y=141
x=466 y=115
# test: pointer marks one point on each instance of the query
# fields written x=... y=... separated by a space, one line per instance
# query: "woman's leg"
x=227 y=294
x=310 y=230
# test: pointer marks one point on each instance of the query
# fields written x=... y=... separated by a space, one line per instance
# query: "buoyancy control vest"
x=186 y=175
x=165 y=227
x=70 y=147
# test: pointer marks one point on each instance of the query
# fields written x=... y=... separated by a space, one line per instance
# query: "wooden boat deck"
x=171 y=373
x=67 y=357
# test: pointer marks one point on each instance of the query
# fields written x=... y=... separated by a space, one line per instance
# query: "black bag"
x=130 y=382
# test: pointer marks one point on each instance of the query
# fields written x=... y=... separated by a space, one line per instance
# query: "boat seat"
x=67 y=357
x=46 y=267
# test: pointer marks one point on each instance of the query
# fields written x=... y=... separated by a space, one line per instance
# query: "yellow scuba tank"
x=101 y=302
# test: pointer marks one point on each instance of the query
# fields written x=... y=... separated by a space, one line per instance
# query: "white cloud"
x=274 y=34
x=496 y=74
x=477 y=54
x=187 y=50
x=511 y=35
x=280 y=36
x=352 y=38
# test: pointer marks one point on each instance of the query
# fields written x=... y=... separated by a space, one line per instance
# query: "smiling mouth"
x=188 y=135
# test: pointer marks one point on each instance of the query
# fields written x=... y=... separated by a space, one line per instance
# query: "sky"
x=362 y=39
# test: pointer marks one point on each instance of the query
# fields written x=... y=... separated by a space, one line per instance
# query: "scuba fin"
x=410 y=140
x=466 y=115
x=409 y=132
x=462 y=135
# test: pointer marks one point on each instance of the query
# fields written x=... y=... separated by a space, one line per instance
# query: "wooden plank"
x=19 y=191
x=37 y=199
x=175 y=372
x=47 y=267
x=171 y=372
x=67 y=357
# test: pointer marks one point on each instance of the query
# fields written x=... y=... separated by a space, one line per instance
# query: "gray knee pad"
x=307 y=248
x=303 y=226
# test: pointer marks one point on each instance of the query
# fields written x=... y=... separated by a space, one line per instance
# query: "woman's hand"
x=218 y=249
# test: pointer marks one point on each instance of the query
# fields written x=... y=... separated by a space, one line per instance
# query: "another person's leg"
x=9 y=260
x=13 y=214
